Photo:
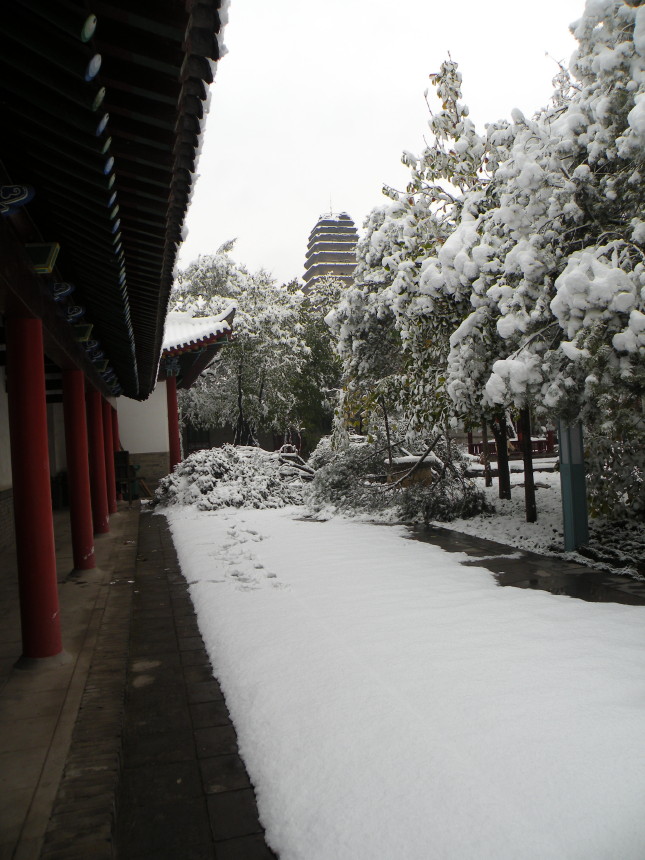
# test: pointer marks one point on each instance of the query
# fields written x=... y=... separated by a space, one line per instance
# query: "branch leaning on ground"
x=301 y=467
x=419 y=462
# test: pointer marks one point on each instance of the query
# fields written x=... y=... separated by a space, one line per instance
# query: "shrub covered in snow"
x=232 y=477
x=449 y=497
x=359 y=478
x=349 y=477
x=615 y=477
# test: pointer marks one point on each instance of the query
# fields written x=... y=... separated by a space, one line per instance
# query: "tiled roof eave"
x=156 y=63
x=195 y=345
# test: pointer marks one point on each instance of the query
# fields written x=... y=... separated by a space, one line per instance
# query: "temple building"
x=331 y=249
x=102 y=122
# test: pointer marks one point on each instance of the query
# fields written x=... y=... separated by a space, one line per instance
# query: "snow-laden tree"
x=364 y=327
x=558 y=306
x=253 y=384
x=316 y=385
x=510 y=274
x=448 y=185
x=393 y=335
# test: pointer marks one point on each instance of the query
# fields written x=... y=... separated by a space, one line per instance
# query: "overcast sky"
x=315 y=102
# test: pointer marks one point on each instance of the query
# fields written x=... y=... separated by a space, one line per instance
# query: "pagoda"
x=331 y=250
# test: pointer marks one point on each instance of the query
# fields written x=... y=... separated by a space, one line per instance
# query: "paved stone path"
x=184 y=791
x=153 y=770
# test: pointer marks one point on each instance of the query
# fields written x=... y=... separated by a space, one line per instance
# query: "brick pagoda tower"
x=331 y=249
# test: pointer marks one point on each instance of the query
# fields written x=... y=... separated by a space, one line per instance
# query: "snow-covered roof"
x=183 y=329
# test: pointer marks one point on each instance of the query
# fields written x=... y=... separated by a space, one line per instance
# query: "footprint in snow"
x=241 y=576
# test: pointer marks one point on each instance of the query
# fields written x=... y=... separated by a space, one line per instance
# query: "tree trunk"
x=448 y=444
x=524 y=432
x=486 y=454
x=261 y=391
x=387 y=434
x=501 y=440
x=239 y=427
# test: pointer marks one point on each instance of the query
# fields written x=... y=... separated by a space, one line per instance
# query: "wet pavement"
x=522 y=569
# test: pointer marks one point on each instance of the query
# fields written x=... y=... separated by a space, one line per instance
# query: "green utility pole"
x=574 y=486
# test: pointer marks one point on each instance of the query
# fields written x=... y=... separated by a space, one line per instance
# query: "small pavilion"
x=150 y=430
x=190 y=346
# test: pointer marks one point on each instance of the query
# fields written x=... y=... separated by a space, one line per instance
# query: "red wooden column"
x=108 y=445
x=173 y=421
x=98 y=483
x=36 y=554
x=116 y=443
x=78 y=473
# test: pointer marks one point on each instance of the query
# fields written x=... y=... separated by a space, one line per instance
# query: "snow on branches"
x=251 y=386
x=511 y=272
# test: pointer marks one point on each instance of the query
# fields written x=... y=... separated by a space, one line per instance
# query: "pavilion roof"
x=191 y=343
x=111 y=160
x=184 y=332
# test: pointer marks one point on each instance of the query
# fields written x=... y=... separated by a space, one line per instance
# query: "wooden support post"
x=173 y=422
x=116 y=442
x=550 y=441
x=35 y=549
x=78 y=473
x=98 y=483
x=116 y=445
x=108 y=446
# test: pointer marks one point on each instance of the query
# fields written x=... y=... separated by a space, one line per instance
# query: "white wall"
x=5 y=449
x=143 y=426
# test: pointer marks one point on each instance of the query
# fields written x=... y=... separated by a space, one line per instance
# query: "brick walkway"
x=184 y=790
x=153 y=748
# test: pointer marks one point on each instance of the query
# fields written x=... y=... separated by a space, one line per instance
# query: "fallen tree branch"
x=419 y=462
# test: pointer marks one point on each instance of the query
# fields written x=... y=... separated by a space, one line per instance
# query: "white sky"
x=316 y=102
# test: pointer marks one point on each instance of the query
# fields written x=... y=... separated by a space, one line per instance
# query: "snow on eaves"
x=182 y=328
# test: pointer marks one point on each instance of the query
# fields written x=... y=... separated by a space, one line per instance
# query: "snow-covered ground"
x=618 y=547
x=508 y=523
x=393 y=704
